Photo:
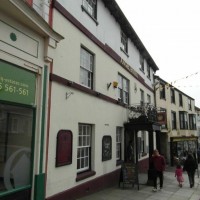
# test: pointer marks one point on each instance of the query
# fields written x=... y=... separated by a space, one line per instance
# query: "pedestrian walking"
x=179 y=175
x=190 y=167
x=157 y=161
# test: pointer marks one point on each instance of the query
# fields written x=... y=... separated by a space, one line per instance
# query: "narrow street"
x=170 y=191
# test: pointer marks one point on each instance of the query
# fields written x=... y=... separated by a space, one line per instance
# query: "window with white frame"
x=119 y=143
x=90 y=7
x=141 y=97
x=84 y=147
x=124 y=42
x=123 y=89
x=141 y=63
x=86 y=68
x=148 y=99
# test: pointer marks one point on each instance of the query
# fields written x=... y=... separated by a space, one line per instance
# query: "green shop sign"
x=17 y=85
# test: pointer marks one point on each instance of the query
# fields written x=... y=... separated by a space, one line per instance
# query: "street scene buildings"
x=79 y=97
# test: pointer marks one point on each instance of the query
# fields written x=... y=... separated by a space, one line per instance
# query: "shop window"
x=64 y=148
x=16 y=125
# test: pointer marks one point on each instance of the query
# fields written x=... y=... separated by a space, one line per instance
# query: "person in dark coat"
x=190 y=167
x=158 y=163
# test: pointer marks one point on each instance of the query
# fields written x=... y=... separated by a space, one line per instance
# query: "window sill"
x=85 y=175
x=83 y=9
x=149 y=78
x=142 y=70
x=124 y=52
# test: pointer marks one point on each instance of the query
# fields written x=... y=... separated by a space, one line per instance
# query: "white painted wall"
x=108 y=31
x=81 y=107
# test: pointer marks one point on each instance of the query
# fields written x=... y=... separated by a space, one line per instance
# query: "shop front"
x=17 y=100
x=181 y=146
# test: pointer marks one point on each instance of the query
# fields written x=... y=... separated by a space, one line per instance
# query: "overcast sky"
x=170 y=31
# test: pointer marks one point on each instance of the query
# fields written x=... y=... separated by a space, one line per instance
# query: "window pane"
x=84 y=147
x=86 y=68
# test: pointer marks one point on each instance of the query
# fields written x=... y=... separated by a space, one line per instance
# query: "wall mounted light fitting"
x=115 y=84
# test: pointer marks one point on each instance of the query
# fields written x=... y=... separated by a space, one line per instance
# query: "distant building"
x=179 y=127
x=198 y=123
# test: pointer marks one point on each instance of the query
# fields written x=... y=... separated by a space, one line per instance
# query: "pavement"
x=170 y=191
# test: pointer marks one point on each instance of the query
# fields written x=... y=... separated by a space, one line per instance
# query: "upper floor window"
x=189 y=104
x=141 y=97
x=180 y=100
x=172 y=95
x=148 y=72
x=90 y=7
x=124 y=42
x=183 y=120
x=173 y=118
x=192 y=122
x=123 y=89
x=86 y=68
x=162 y=91
x=148 y=99
x=141 y=63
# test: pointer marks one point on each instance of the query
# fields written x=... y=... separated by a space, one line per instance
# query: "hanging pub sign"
x=16 y=84
x=161 y=117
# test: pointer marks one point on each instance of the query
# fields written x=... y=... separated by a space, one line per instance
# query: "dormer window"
x=124 y=43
